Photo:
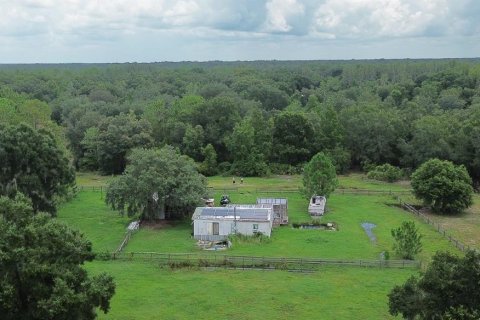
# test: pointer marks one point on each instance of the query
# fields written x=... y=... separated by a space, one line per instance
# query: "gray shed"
x=280 y=209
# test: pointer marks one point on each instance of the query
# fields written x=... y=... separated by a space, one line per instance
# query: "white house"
x=217 y=223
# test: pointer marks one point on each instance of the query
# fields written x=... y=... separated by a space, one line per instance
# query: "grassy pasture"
x=145 y=291
x=88 y=213
x=105 y=228
x=350 y=242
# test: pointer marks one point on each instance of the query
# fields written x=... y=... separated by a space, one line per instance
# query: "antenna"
x=234 y=219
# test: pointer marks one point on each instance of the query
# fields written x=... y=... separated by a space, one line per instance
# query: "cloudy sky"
x=33 y=31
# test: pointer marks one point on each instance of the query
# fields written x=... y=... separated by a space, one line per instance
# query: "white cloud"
x=279 y=12
x=379 y=18
x=75 y=23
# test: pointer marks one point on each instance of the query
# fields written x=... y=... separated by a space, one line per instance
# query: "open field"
x=464 y=227
x=88 y=213
x=106 y=228
x=350 y=242
x=145 y=291
x=276 y=182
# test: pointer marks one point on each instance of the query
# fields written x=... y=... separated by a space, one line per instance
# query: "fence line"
x=248 y=262
x=270 y=191
x=92 y=188
x=458 y=244
x=124 y=242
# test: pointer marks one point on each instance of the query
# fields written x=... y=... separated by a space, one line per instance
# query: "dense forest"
x=255 y=118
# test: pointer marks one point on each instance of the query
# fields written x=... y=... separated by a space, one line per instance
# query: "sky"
x=66 y=31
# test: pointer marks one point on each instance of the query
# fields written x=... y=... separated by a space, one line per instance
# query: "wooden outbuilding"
x=279 y=207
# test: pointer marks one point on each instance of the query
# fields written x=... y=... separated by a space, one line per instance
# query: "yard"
x=145 y=290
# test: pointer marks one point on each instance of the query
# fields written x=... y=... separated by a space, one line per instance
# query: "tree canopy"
x=319 y=176
x=156 y=182
x=40 y=267
x=445 y=187
x=398 y=112
x=449 y=289
x=31 y=162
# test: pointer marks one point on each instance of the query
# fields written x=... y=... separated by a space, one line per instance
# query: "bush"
x=255 y=238
x=407 y=240
x=445 y=187
x=385 y=172
x=282 y=168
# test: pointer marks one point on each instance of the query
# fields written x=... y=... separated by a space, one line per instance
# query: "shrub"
x=385 y=172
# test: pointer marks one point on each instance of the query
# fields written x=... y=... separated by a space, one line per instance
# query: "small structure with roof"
x=279 y=207
x=217 y=223
x=316 y=207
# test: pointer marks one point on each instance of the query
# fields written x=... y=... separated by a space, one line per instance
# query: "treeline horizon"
x=255 y=117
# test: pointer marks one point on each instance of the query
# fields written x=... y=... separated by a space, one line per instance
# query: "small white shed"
x=217 y=223
x=316 y=207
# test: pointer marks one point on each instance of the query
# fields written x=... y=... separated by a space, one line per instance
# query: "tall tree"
x=247 y=159
x=40 y=267
x=31 y=162
x=116 y=137
x=155 y=182
x=319 y=176
x=292 y=138
x=449 y=288
x=445 y=187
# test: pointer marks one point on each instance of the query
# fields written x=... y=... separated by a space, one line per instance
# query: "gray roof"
x=237 y=213
x=272 y=200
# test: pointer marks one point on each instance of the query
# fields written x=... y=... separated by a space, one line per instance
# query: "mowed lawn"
x=106 y=228
x=88 y=213
x=145 y=291
x=349 y=242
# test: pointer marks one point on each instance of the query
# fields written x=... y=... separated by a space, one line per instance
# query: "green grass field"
x=88 y=213
x=147 y=291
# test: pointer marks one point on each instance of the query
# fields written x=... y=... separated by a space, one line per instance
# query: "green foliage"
x=31 y=162
x=40 y=267
x=193 y=142
x=248 y=159
x=445 y=187
x=209 y=165
x=113 y=139
x=292 y=138
x=449 y=289
x=408 y=241
x=319 y=176
x=385 y=172
x=257 y=238
x=340 y=157
x=173 y=177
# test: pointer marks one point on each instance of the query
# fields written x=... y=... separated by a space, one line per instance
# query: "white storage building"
x=217 y=223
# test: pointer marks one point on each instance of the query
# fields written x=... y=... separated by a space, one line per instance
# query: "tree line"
x=255 y=118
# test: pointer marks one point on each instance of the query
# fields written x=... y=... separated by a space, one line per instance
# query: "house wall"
x=203 y=229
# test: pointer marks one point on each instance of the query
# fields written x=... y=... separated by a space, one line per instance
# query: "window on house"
x=255 y=227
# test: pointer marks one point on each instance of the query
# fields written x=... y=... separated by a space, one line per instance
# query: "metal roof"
x=237 y=213
x=272 y=200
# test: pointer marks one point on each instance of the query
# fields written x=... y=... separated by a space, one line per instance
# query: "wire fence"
x=270 y=191
x=457 y=243
x=182 y=260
